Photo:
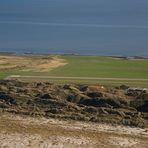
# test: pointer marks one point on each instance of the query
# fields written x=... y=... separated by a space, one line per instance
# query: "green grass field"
x=95 y=66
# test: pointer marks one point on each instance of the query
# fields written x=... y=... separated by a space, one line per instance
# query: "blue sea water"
x=87 y=27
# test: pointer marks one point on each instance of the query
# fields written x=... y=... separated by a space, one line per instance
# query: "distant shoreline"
x=69 y=54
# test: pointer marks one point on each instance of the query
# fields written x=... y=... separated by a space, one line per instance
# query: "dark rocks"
x=124 y=87
x=95 y=94
x=46 y=96
x=77 y=98
x=72 y=98
x=141 y=102
x=66 y=86
x=100 y=102
x=135 y=91
x=7 y=98
x=77 y=102
x=83 y=88
x=142 y=96
x=143 y=108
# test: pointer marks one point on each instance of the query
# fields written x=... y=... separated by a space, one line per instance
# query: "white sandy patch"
x=126 y=130
x=70 y=134
x=123 y=142
x=18 y=140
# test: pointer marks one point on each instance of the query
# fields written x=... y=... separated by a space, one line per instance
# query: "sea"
x=83 y=27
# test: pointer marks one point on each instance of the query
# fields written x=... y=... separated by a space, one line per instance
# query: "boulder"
x=143 y=108
x=83 y=88
x=7 y=98
x=46 y=96
x=143 y=96
x=124 y=87
x=100 y=102
x=76 y=98
x=94 y=94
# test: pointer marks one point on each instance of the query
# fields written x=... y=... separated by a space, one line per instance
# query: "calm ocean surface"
x=87 y=27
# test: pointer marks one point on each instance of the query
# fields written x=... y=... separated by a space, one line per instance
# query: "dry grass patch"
x=30 y=63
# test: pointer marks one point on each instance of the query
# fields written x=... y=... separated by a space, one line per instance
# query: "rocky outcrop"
x=120 y=105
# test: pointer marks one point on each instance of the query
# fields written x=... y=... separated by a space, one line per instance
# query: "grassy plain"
x=95 y=66
x=105 y=67
x=78 y=66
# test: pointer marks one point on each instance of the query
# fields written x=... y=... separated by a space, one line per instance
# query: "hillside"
x=95 y=103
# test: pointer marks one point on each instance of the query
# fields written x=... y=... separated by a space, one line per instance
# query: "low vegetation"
x=28 y=65
x=77 y=66
x=95 y=66
x=77 y=102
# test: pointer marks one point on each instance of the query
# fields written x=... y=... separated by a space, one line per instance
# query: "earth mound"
x=123 y=105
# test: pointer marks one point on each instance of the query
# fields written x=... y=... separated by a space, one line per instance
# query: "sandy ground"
x=27 y=132
x=30 y=63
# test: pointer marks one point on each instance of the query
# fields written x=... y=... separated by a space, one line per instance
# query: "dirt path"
x=22 y=132
x=79 y=78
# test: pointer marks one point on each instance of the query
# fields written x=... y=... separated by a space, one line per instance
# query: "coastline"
x=70 y=54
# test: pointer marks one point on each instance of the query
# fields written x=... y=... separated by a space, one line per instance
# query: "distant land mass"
x=113 y=53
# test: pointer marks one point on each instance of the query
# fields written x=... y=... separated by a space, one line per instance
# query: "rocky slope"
x=123 y=105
